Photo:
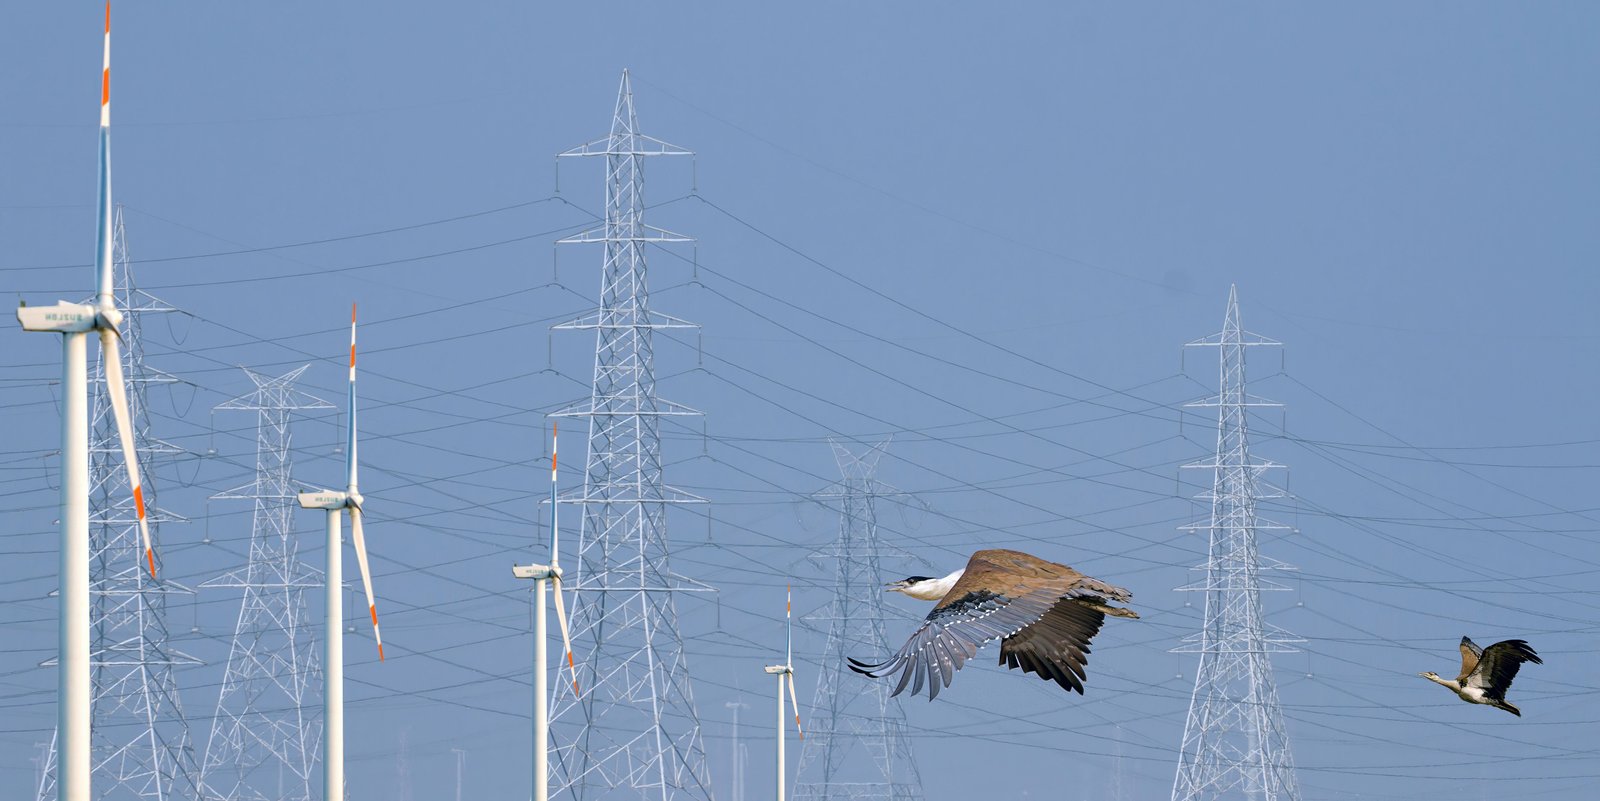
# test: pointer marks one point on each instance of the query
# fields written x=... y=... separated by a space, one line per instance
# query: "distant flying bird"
x=1044 y=614
x=1486 y=673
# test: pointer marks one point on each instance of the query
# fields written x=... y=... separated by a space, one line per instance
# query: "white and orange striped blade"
x=105 y=75
x=566 y=635
x=360 y=542
x=117 y=389
x=555 y=510
x=789 y=677
x=350 y=410
x=788 y=653
x=102 y=254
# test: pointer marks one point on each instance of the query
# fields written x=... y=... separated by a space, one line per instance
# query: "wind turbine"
x=785 y=674
x=541 y=574
x=333 y=665
x=74 y=321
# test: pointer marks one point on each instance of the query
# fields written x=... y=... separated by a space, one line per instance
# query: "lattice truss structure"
x=267 y=732
x=140 y=744
x=856 y=744
x=1234 y=742
x=633 y=732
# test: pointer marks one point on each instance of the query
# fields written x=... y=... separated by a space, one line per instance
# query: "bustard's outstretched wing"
x=1499 y=665
x=1046 y=614
x=1470 y=654
x=1057 y=646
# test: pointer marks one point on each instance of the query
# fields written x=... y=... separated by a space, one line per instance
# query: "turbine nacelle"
x=323 y=499
x=536 y=572
x=62 y=318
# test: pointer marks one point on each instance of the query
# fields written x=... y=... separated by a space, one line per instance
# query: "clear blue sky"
x=1405 y=194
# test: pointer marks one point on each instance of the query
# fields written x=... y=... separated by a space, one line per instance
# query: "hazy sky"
x=945 y=225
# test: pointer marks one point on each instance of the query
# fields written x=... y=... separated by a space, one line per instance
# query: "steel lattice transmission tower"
x=856 y=745
x=1234 y=742
x=267 y=732
x=633 y=732
x=140 y=745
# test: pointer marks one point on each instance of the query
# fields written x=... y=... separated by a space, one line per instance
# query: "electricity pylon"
x=1234 y=742
x=857 y=748
x=631 y=730
x=266 y=734
x=139 y=742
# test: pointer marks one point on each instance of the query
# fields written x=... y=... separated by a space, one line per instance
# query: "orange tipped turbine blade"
x=566 y=635
x=117 y=388
x=360 y=542
x=790 y=678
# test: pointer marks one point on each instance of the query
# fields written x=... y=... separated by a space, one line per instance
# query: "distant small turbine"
x=542 y=574
x=333 y=675
x=785 y=674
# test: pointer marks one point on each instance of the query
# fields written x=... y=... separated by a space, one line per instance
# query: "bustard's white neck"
x=931 y=589
x=1434 y=677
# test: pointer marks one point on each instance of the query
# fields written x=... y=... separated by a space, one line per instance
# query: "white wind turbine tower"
x=74 y=321
x=541 y=574
x=333 y=656
x=785 y=674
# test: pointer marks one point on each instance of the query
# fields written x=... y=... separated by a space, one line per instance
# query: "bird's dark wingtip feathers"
x=1522 y=650
x=864 y=667
x=1526 y=651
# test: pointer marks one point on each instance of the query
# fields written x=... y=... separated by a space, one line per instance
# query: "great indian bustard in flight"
x=1486 y=673
x=1043 y=613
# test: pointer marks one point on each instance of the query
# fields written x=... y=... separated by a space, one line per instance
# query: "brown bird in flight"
x=1044 y=614
x=1486 y=673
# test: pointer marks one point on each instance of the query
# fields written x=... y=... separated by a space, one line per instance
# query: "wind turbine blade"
x=105 y=77
x=555 y=510
x=117 y=388
x=789 y=677
x=103 y=234
x=350 y=411
x=566 y=635
x=366 y=575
